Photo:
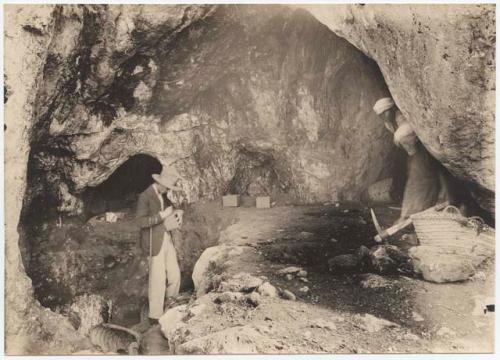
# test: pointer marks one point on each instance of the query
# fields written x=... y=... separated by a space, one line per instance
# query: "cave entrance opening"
x=119 y=192
x=85 y=255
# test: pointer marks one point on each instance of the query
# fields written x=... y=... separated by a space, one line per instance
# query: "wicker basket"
x=449 y=229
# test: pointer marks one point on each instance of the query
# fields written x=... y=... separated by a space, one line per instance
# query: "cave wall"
x=439 y=64
x=205 y=89
x=29 y=328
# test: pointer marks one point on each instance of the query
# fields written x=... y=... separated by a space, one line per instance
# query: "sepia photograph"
x=213 y=179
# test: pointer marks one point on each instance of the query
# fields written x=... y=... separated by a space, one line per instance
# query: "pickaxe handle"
x=392 y=230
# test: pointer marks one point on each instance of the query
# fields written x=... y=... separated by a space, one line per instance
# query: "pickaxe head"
x=384 y=234
x=381 y=234
x=375 y=221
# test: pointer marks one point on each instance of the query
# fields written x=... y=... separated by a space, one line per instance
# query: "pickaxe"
x=384 y=234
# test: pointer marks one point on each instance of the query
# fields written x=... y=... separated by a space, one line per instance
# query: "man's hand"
x=167 y=212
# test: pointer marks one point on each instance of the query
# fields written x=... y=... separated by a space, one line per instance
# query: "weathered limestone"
x=28 y=326
x=439 y=64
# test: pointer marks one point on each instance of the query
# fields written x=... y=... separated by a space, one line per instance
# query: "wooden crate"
x=231 y=201
x=263 y=202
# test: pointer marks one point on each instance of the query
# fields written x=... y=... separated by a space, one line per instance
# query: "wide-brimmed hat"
x=168 y=177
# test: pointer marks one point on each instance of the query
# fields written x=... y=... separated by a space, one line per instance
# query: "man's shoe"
x=153 y=322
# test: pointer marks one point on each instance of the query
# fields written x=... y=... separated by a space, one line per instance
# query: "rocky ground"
x=270 y=286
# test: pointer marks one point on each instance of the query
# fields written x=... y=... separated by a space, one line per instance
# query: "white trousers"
x=164 y=275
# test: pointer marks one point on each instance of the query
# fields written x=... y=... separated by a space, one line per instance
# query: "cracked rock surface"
x=439 y=64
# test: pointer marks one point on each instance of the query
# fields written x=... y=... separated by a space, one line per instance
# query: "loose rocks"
x=288 y=295
x=266 y=289
x=388 y=259
x=343 y=263
x=372 y=323
x=302 y=273
x=290 y=270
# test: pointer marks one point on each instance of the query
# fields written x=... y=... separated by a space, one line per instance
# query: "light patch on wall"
x=306 y=115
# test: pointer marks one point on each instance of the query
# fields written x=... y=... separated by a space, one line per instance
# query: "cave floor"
x=426 y=317
x=423 y=317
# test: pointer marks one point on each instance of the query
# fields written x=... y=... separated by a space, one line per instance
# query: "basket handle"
x=452 y=210
x=475 y=220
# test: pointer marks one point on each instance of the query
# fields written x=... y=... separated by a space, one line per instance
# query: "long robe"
x=426 y=181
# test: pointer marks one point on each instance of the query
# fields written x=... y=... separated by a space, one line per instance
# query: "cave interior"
x=44 y=230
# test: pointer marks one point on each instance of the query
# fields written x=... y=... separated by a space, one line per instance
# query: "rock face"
x=29 y=328
x=233 y=96
x=439 y=64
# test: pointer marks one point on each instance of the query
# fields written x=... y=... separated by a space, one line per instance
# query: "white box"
x=231 y=201
x=263 y=202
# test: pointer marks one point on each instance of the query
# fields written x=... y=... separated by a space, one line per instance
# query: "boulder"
x=171 y=322
x=439 y=265
x=210 y=264
x=266 y=289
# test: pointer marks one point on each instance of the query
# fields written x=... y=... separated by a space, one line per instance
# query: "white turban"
x=382 y=105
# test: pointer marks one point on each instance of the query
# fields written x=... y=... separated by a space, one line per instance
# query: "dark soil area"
x=337 y=230
x=308 y=236
x=98 y=257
